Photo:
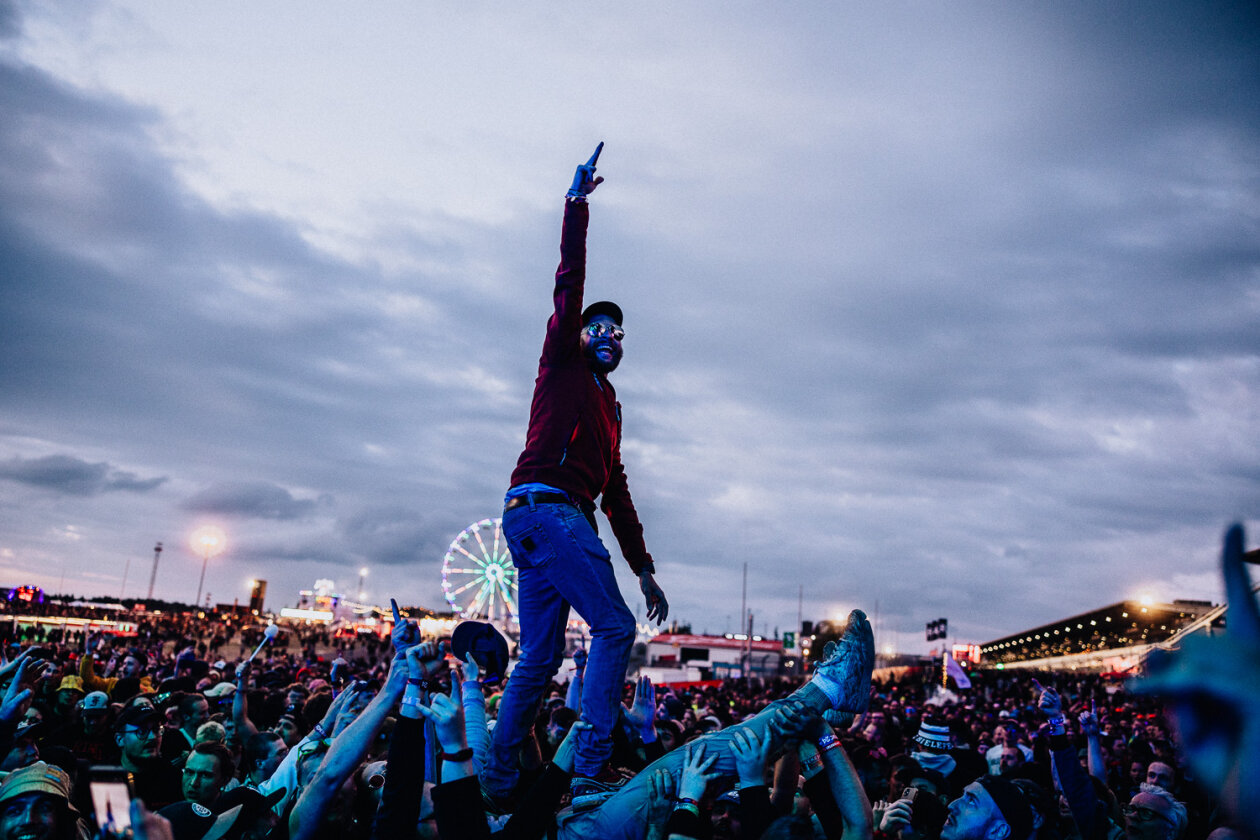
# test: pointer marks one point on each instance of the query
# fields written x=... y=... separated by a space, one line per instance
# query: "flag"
x=953 y=669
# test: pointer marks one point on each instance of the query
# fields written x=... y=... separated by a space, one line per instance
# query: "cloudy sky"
x=933 y=309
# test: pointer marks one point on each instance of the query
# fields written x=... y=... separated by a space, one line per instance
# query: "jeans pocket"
x=527 y=539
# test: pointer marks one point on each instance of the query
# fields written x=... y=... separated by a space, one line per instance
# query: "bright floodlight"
x=208 y=540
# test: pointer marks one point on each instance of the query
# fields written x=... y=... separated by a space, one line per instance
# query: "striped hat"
x=934 y=736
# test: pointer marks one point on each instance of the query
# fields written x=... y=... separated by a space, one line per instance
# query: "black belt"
x=587 y=508
x=538 y=499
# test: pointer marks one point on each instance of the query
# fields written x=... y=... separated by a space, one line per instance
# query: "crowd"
x=390 y=746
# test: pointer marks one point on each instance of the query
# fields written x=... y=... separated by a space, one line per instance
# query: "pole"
x=126 y=571
x=748 y=673
x=205 y=560
x=743 y=616
x=157 y=552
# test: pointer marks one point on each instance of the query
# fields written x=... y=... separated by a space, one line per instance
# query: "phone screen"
x=112 y=803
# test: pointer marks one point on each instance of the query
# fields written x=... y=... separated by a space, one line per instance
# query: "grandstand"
x=1113 y=638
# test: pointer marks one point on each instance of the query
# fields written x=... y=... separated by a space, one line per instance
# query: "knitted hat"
x=1011 y=801
x=934 y=736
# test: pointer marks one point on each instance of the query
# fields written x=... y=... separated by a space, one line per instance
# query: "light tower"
x=208 y=541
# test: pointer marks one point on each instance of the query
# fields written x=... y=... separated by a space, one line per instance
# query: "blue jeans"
x=560 y=563
x=627 y=813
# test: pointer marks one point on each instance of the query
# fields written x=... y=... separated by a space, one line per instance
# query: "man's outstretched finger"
x=595 y=157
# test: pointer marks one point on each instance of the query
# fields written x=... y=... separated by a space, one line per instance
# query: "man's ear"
x=118 y=739
x=999 y=829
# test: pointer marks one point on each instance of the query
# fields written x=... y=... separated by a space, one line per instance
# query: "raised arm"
x=344 y=755
x=240 y=704
x=1089 y=725
x=474 y=701
x=846 y=786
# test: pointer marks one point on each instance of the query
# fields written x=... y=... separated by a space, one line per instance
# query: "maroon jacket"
x=574 y=437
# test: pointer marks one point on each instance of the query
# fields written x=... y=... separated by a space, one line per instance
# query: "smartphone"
x=112 y=790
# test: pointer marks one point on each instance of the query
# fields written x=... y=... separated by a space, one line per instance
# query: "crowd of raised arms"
x=386 y=741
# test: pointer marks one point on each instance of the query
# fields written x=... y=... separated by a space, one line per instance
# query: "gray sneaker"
x=849 y=663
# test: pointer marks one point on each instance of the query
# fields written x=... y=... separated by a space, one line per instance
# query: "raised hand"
x=751 y=753
x=567 y=751
x=472 y=671
x=584 y=180
x=425 y=660
x=1049 y=702
x=405 y=633
x=792 y=720
x=697 y=772
x=642 y=712
x=15 y=696
x=447 y=714
x=660 y=797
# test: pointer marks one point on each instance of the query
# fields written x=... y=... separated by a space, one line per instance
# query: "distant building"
x=1113 y=638
x=682 y=657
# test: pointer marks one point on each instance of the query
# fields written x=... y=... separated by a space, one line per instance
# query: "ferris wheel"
x=478 y=578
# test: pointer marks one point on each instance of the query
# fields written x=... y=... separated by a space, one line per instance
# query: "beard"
x=599 y=365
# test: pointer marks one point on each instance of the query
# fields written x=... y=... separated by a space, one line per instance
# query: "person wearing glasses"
x=138 y=733
x=1153 y=814
x=572 y=457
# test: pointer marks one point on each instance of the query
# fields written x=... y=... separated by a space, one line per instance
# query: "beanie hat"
x=1011 y=801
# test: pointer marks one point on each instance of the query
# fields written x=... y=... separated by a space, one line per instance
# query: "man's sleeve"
x=565 y=322
x=91 y=682
x=617 y=506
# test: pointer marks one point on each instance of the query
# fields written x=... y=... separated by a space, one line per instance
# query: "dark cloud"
x=74 y=476
x=391 y=536
x=256 y=499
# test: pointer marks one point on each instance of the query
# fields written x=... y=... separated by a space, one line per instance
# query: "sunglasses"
x=601 y=328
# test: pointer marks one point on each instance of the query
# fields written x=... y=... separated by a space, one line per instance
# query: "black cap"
x=136 y=716
x=602 y=307
x=190 y=821
x=254 y=804
x=486 y=644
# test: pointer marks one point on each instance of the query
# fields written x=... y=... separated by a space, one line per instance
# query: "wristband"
x=814 y=762
x=410 y=700
x=576 y=197
x=319 y=730
x=462 y=755
x=1057 y=726
x=415 y=681
x=828 y=742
